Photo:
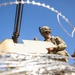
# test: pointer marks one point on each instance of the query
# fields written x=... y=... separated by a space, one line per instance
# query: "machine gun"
x=18 y=20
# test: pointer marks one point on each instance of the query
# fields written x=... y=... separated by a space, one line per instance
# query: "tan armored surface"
x=28 y=46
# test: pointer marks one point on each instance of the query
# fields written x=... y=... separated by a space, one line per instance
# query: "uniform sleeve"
x=60 y=43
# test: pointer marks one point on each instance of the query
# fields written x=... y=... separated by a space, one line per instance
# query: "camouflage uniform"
x=61 y=46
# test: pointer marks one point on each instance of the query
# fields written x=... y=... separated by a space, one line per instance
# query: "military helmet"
x=44 y=29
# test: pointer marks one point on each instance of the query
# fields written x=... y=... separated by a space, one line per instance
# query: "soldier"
x=61 y=46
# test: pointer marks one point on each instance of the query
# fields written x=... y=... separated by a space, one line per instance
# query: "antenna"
x=18 y=20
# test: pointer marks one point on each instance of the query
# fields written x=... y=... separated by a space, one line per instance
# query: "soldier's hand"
x=50 y=49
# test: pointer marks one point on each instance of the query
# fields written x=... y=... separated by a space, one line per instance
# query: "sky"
x=35 y=16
